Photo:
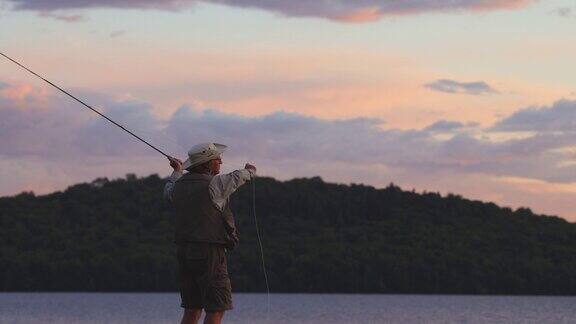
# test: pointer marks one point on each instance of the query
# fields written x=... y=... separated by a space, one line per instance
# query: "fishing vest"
x=197 y=218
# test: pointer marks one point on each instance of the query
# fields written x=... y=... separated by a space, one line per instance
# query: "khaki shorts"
x=204 y=280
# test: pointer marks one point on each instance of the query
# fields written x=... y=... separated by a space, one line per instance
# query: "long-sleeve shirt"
x=221 y=186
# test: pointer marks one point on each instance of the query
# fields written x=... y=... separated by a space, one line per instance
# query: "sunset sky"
x=474 y=97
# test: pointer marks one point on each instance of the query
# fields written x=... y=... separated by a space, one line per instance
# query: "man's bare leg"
x=191 y=316
x=214 y=317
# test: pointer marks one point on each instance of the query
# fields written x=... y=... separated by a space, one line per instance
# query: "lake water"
x=288 y=308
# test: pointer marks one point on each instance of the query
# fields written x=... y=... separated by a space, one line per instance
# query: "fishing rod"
x=170 y=158
x=86 y=105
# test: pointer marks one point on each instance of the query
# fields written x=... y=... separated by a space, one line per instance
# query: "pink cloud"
x=23 y=95
x=17 y=92
x=359 y=16
x=500 y=4
x=338 y=10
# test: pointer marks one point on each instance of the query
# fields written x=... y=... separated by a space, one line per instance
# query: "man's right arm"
x=169 y=187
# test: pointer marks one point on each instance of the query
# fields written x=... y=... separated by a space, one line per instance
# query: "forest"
x=318 y=237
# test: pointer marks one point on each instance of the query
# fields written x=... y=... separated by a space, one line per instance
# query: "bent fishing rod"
x=85 y=105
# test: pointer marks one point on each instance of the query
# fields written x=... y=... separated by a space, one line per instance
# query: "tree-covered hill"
x=318 y=237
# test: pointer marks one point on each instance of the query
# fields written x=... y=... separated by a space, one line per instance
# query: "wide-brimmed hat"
x=203 y=152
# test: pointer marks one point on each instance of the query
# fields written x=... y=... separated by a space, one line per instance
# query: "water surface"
x=288 y=308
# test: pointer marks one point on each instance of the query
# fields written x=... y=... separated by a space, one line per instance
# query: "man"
x=205 y=229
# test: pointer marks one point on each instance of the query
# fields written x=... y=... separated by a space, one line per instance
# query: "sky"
x=471 y=97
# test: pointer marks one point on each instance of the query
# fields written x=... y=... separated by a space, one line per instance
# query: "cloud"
x=337 y=10
x=51 y=126
x=43 y=5
x=63 y=17
x=370 y=10
x=560 y=117
x=282 y=136
x=65 y=143
x=451 y=86
x=449 y=126
x=62 y=129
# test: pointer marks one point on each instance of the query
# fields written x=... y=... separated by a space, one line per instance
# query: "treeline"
x=318 y=237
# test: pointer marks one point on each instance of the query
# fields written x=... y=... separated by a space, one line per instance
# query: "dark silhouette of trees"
x=318 y=237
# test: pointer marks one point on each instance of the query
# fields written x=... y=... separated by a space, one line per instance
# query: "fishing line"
x=86 y=105
x=261 y=250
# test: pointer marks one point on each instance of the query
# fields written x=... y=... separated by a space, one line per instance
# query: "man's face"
x=214 y=165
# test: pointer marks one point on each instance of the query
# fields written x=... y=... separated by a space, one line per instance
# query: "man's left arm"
x=223 y=185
